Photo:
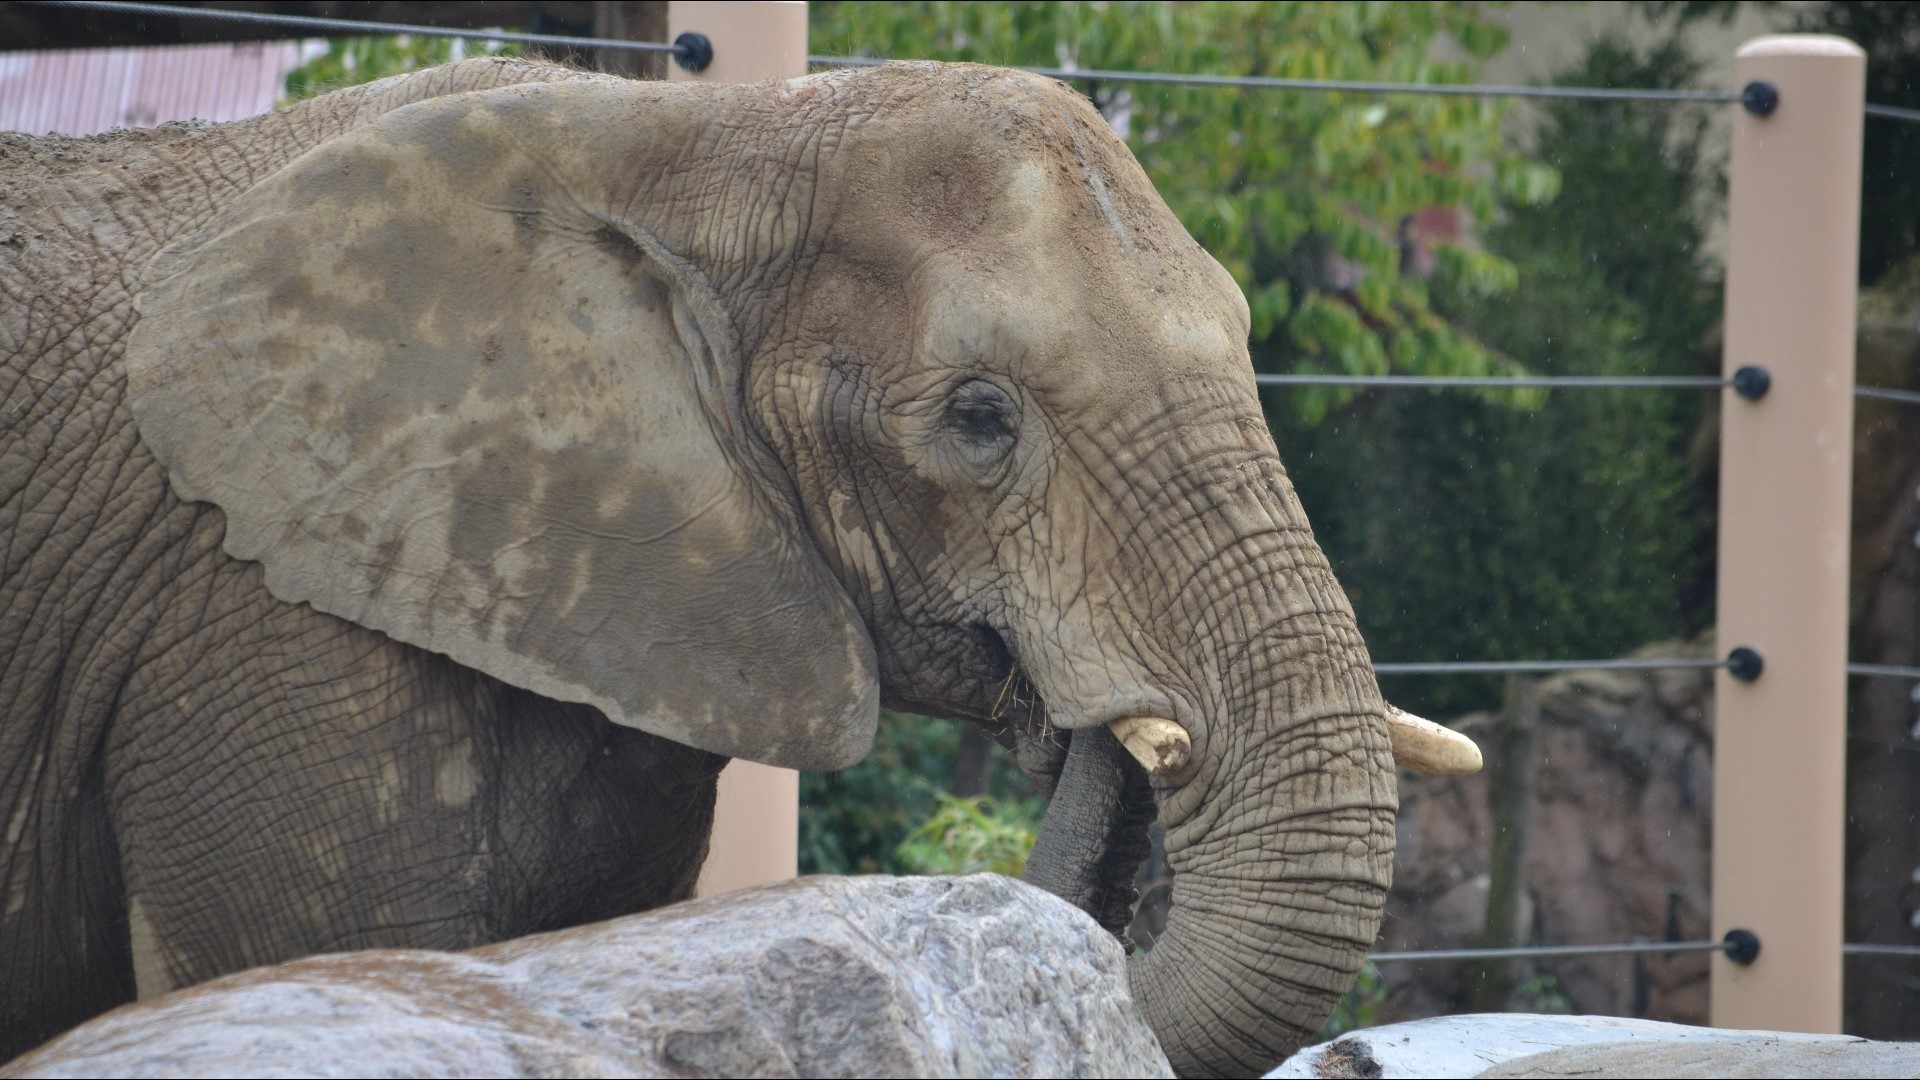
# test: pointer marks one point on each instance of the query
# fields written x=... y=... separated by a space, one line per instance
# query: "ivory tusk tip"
x=1426 y=747
x=1160 y=746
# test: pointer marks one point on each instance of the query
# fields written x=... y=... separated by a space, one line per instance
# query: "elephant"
x=412 y=498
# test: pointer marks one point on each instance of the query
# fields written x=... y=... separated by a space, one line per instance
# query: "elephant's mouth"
x=1100 y=803
x=1010 y=707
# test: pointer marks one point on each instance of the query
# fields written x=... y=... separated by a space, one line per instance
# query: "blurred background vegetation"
x=352 y=61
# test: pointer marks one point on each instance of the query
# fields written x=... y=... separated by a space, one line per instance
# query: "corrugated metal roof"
x=87 y=91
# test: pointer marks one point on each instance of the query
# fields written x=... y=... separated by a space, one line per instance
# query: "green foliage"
x=891 y=814
x=1300 y=195
x=1890 y=153
x=1359 y=1009
x=1465 y=530
x=853 y=821
x=972 y=835
x=355 y=60
x=1542 y=994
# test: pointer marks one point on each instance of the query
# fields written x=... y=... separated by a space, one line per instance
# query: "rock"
x=875 y=976
x=1620 y=824
x=1522 y=1044
x=1763 y=1056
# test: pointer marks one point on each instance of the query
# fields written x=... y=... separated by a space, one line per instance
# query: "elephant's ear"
x=439 y=392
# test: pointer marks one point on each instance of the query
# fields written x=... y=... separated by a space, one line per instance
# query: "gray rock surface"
x=1759 y=1057
x=878 y=976
x=1526 y=1044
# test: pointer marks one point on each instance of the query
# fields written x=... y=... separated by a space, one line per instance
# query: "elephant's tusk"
x=1160 y=746
x=1424 y=746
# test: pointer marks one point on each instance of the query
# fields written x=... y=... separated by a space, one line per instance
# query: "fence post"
x=756 y=823
x=1786 y=469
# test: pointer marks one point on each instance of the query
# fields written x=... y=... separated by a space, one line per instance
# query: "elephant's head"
x=735 y=412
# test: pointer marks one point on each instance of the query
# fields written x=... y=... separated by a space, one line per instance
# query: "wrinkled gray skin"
x=406 y=511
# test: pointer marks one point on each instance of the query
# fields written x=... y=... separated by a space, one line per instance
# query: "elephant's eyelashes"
x=984 y=418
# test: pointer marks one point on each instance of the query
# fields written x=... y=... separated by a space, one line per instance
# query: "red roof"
x=87 y=91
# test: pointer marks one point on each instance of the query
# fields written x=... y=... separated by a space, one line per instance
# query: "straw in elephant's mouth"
x=1016 y=704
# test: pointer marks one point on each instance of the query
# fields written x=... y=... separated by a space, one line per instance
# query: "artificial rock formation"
x=1620 y=821
x=876 y=976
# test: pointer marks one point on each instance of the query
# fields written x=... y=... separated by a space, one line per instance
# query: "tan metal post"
x=1786 y=469
x=752 y=39
x=756 y=825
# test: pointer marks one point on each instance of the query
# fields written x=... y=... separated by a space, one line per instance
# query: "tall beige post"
x=756 y=826
x=752 y=39
x=1785 y=491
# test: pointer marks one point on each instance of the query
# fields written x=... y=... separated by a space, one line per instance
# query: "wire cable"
x=356 y=26
x=1885 y=671
x=1359 y=86
x=1538 y=667
x=1894 y=112
x=1544 y=382
x=1524 y=952
x=1503 y=382
x=1887 y=393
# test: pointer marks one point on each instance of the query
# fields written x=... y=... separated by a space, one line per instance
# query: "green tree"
x=975 y=835
x=1301 y=195
x=891 y=813
x=1581 y=527
x=355 y=60
x=1890 y=153
x=854 y=820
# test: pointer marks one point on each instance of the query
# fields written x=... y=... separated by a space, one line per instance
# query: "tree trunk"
x=1510 y=795
x=972 y=762
x=631 y=20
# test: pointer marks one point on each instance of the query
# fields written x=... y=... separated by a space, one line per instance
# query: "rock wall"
x=1883 y=756
x=1620 y=825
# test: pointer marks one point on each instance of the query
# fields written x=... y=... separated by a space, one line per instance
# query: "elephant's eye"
x=984 y=417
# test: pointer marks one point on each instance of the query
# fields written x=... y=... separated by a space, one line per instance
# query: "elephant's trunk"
x=1281 y=870
x=1281 y=840
x=1280 y=826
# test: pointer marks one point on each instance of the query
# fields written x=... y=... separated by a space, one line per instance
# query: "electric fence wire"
x=1502 y=382
x=1543 y=382
x=1637 y=663
x=1534 y=952
x=1538 y=952
x=1543 y=667
x=1884 y=671
x=1852 y=949
x=1894 y=112
x=356 y=26
x=1358 y=86
x=1246 y=82
x=1887 y=393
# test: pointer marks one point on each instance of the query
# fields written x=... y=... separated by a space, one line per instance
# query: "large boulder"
x=876 y=976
